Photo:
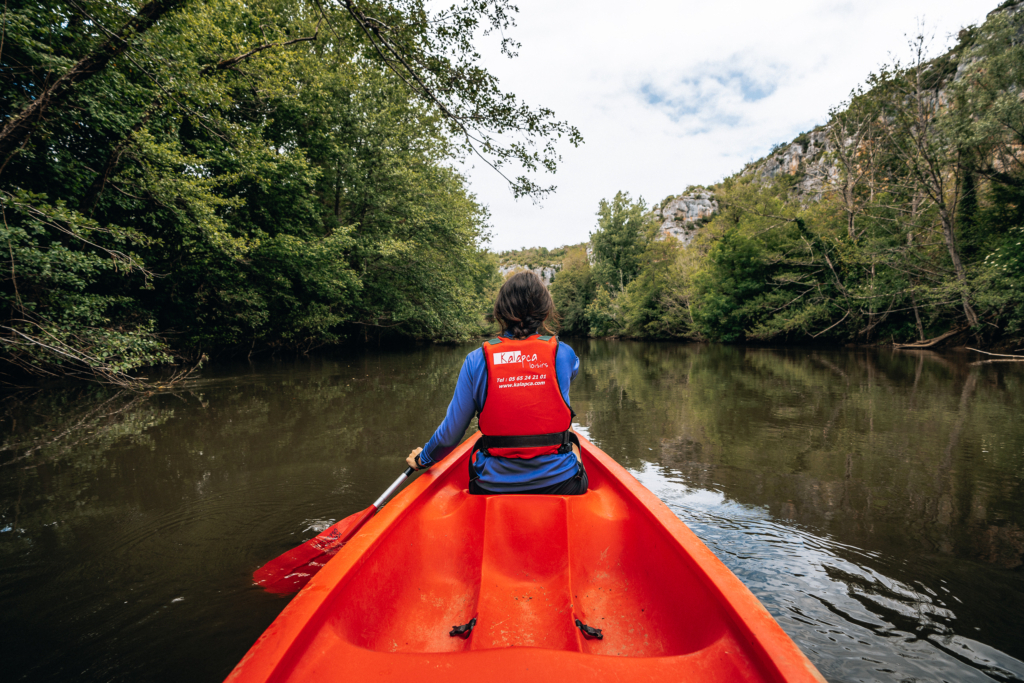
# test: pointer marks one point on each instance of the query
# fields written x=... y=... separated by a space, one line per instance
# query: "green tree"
x=644 y=302
x=572 y=291
x=729 y=288
x=604 y=314
x=624 y=229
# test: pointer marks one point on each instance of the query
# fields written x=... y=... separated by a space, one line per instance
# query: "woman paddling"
x=519 y=384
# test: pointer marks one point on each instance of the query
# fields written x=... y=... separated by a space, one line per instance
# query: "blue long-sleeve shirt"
x=501 y=475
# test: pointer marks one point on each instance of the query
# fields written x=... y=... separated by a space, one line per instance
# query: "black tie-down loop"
x=589 y=631
x=464 y=630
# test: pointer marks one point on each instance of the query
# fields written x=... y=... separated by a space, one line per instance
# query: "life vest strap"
x=486 y=442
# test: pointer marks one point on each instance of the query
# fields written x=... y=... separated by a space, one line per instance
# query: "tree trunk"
x=18 y=127
x=958 y=266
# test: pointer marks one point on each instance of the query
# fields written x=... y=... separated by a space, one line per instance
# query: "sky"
x=673 y=94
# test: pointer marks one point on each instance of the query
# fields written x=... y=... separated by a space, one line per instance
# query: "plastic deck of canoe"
x=526 y=567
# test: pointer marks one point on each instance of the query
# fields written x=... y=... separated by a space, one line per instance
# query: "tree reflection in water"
x=874 y=501
x=897 y=452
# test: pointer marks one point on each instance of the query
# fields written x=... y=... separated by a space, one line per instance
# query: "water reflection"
x=847 y=608
x=872 y=500
x=895 y=451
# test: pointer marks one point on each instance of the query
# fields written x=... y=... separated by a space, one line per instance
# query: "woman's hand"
x=411 y=460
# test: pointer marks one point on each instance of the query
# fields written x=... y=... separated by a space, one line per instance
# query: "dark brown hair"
x=524 y=305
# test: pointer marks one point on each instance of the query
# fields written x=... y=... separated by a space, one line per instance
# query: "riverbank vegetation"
x=180 y=178
x=912 y=230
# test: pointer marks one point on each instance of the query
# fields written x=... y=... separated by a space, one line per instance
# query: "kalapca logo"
x=507 y=357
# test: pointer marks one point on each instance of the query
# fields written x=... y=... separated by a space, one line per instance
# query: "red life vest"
x=524 y=414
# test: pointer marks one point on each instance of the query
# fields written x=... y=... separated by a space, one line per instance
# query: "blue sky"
x=702 y=92
x=672 y=94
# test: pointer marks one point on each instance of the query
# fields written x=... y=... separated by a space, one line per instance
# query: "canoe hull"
x=527 y=568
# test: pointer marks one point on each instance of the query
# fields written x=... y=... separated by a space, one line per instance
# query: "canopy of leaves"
x=247 y=174
x=624 y=229
x=572 y=290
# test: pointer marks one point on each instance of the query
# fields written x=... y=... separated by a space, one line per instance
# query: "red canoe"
x=527 y=568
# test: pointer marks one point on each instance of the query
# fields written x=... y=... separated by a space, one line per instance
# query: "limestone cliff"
x=807 y=158
x=546 y=273
x=681 y=216
x=545 y=262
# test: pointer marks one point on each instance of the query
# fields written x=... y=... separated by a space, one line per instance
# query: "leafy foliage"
x=624 y=230
x=248 y=174
x=536 y=257
x=572 y=291
x=729 y=289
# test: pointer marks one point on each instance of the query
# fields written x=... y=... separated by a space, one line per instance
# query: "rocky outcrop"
x=682 y=216
x=546 y=273
x=806 y=158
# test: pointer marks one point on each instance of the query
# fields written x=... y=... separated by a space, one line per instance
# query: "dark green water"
x=873 y=501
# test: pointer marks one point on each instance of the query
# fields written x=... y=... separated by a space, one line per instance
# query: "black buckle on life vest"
x=485 y=442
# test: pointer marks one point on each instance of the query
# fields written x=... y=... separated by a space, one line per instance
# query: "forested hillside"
x=186 y=177
x=900 y=220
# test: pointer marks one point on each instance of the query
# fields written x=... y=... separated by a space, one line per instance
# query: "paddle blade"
x=291 y=571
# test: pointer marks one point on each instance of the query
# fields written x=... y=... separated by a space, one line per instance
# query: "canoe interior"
x=526 y=567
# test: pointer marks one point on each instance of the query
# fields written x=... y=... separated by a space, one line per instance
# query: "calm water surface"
x=873 y=501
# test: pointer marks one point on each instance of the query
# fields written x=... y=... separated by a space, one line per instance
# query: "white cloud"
x=673 y=94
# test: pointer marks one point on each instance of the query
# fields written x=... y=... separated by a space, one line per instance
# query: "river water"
x=872 y=500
